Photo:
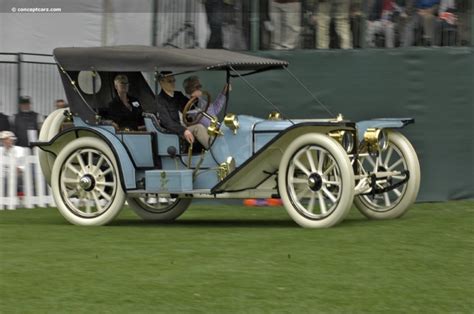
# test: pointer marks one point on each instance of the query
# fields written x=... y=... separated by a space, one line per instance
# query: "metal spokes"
x=314 y=182
x=88 y=182
x=390 y=160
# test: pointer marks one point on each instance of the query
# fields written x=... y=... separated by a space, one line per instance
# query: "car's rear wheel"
x=399 y=156
x=163 y=208
x=51 y=126
x=316 y=181
x=86 y=183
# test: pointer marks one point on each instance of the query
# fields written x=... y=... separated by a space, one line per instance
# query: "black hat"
x=24 y=100
x=164 y=74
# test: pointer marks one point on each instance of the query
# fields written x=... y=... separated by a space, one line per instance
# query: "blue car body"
x=317 y=167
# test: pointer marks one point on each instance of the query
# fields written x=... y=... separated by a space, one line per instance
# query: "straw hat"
x=6 y=134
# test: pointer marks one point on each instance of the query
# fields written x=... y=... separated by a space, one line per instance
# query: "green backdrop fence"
x=433 y=85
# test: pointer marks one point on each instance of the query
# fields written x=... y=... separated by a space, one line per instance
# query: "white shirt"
x=16 y=152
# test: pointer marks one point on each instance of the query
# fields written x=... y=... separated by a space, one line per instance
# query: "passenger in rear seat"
x=124 y=110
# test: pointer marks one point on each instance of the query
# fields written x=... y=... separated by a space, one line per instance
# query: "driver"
x=192 y=86
x=170 y=103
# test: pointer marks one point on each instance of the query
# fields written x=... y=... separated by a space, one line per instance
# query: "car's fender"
x=382 y=123
x=126 y=166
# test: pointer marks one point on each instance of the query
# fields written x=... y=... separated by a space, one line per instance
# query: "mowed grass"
x=227 y=259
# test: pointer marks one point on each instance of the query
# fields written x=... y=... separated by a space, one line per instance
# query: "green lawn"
x=221 y=259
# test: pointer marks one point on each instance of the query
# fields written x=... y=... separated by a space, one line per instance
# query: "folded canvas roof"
x=148 y=59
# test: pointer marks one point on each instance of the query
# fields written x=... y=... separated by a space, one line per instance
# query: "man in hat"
x=124 y=110
x=26 y=123
x=170 y=103
x=8 y=152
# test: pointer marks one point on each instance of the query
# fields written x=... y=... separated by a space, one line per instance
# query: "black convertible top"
x=147 y=58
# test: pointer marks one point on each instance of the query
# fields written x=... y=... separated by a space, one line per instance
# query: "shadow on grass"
x=222 y=223
x=189 y=222
x=207 y=223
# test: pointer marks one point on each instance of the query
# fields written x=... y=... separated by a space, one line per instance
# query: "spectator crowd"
x=344 y=24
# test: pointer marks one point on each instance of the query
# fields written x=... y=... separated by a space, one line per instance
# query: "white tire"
x=399 y=156
x=165 y=208
x=86 y=183
x=51 y=126
x=316 y=181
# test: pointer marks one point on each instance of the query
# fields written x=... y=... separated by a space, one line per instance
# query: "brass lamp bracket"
x=274 y=115
x=232 y=122
x=226 y=168
x=214 y=128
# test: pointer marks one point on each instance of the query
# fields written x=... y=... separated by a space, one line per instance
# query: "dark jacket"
x=4 y=123
x=23 y=122
x=168 y=111
x=126 y=119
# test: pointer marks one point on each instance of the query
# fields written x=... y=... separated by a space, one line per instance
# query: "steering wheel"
x=191 y=118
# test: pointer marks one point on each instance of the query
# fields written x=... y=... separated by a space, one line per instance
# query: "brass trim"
x=373 y=137
x=339 y=137
x=232 y=122
x=214 y=128
x=225 y=168
x=274 y=115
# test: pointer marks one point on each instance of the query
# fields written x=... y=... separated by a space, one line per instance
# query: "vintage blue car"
x=318 y=167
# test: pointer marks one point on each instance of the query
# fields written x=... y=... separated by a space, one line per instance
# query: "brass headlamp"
x=345 y=138
x=376 y=139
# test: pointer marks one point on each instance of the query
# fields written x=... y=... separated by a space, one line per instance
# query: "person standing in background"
x=339 y=10
x=9 y=150
x=215 y=19
x=381 y=21
x=285 y=18
x=60 y=104
x=446 y=24
x=427 y=11
x=26 y=123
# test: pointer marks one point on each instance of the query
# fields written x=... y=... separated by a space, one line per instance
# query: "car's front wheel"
x=86 y=183
x=162 y=208
x=399 y=156
x=316 y=181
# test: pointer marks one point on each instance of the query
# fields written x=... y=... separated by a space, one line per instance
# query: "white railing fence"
x=35 y=191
